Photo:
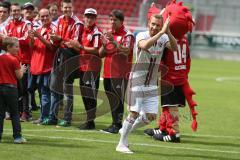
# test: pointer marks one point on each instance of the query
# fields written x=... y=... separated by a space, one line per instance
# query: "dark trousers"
x=24 y=94
x=9 y=97
x=33 y=85
x=115 y=90
x=57 y=98
x=89 y=84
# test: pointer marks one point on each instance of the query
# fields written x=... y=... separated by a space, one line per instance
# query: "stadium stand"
x=204 y=22
x=104 y=7
x=218 y=16
x=217 y=21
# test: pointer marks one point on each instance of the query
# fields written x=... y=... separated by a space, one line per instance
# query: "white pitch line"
x=135 y=144
x=221 y=79
x=97 y=131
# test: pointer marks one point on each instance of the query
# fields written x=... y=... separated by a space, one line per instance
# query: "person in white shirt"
x=142 y=90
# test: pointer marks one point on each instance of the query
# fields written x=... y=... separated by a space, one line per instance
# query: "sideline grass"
x=218 y=136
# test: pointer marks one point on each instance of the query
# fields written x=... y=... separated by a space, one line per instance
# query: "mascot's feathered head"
x=152 y=10
x=181 y=20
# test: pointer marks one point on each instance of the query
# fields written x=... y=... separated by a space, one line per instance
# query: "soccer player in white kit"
x=142 y=90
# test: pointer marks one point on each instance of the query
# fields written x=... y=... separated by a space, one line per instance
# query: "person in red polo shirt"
x=42 y=60
x=18 y=28
x=28 y=15
x=69 y=27
x=117 y=66
x=90 y=65
x=10 y=71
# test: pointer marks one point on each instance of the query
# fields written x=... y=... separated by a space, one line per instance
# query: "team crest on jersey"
x=89 y=37
x=18 y=29
x=119 y=38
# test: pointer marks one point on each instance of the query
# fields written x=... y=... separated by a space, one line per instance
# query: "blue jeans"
x=54 y=108
x=65 y=70
x=56 y=99
x=43 y=84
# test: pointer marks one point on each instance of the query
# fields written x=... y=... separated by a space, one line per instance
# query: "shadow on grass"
x=56 y=143
x=188 y=139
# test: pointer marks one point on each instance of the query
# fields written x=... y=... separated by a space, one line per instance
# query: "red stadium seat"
x=104 y=7
x=204 y=22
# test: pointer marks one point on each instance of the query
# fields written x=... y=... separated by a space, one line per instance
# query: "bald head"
x=44 y=16
x=43 y=11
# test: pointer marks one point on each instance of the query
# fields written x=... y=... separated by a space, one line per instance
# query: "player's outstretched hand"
x=32 y=33
x=55 y=37
x=165 y=26
x=104 y=39
x=162 y=11
x=109 y=36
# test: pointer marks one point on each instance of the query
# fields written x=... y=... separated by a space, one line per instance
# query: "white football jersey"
x=145 y=72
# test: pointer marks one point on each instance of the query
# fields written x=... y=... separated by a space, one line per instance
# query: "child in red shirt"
x=10 y=71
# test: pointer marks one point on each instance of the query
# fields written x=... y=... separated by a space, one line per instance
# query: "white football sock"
x=140 y=122
x=126 y=129
x=178 y=135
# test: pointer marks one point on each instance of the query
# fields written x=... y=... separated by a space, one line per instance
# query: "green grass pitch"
x=217 y=84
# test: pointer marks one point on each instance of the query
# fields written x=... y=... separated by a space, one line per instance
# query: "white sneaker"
x=123 y=149
x=125 y=142
x=20 y=140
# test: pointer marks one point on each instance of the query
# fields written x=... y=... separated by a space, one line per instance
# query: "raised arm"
x=172 y=44
x=102 y=50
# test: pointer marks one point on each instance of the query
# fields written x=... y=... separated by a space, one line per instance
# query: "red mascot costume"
x=178 y=64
